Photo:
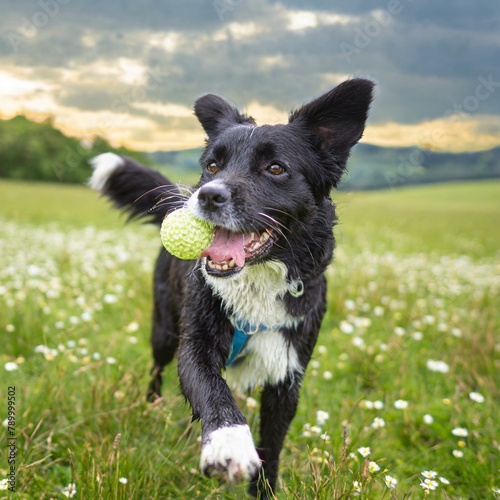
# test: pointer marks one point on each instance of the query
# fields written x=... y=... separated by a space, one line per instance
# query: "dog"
x=251 y=306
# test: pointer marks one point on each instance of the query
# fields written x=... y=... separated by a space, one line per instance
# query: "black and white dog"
x=252 y=305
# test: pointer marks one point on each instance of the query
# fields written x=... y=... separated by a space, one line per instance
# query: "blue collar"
x=242 y=333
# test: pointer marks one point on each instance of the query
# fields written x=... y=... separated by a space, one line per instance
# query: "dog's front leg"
x=228 y=451
x=278 y=407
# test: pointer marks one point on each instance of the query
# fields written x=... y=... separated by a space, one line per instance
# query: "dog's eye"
x=212 y=168
x=275 y=169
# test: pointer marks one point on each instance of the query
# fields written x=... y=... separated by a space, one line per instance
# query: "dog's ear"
x=215 y=114
x=336 y=120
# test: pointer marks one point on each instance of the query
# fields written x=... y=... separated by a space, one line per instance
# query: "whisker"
x=162 y=186
x=304 y=226
x=276 y=227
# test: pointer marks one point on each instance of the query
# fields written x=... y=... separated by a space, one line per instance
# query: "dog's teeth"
x=231 y=263
x=264 y=236
x=225 y=267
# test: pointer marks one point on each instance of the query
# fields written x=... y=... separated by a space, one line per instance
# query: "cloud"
x=455 y=133
x=152 y=59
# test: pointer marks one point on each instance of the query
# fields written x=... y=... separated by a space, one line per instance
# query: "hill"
x=38 y=151
x=374 y=167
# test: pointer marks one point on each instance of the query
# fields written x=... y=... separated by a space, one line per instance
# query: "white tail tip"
x=104 y=165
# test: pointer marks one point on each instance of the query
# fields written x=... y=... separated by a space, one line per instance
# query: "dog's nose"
x=212 y=197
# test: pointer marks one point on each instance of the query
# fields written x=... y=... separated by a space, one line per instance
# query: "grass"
x=415 y=280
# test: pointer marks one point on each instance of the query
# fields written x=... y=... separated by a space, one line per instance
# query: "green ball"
x=184 y=235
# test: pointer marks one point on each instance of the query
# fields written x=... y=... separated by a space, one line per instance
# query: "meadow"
x=401 y=399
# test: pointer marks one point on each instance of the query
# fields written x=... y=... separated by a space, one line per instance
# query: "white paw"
x=230 y=455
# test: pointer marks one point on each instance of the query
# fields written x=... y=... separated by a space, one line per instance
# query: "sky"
x=130 y=70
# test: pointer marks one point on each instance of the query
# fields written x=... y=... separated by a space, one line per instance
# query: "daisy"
x=460 y=431
x=69 y=491
x=428 y=419
x=110 y=298
x=373 y=467
x=390 y=482
x=322 y=417
x=429 y=474
x=357 y=486
x=378 y=423
x=477 y=397
x=400 y=404
x=429 y=484
x=364 y=451
x=346 y=327
x=251 y=403
x=437 y=366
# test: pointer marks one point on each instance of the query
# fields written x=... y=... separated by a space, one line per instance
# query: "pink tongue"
x=227 y=245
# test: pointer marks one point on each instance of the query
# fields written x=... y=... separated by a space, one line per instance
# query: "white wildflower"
x=378 y=423
x=346 y=327
x=132 y=327
x=429 y=474
x=477 y=397
x=69 y=491
x=357 y=486
x=251 y=403
x=400 y=404
x=390 y=482
x=428 y=419
x=110 y=298
x=429 y=484
x=437 y=366
x=322 y=417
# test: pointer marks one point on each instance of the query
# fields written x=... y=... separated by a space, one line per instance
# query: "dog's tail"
x=134 y=188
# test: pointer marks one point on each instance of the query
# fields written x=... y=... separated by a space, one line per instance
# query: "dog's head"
x=266 y=188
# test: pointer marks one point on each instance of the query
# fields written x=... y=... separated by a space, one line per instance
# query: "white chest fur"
x=255 y=296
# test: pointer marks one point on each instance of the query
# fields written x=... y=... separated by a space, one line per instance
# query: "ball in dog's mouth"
x=230 y=251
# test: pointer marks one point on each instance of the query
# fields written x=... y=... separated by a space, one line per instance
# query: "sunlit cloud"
x=138 y=71
x=456 y=133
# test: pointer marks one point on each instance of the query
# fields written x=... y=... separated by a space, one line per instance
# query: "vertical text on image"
x=11 y=438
